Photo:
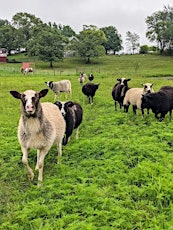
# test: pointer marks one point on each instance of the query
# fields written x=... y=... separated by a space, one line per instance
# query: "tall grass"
x=117 y=175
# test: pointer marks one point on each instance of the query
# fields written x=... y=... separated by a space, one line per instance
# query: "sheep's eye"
x=23 y=99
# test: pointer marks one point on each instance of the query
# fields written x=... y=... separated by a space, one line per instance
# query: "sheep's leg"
x=126 y=108
x=65 y=140
x=142 y=112
x=170 y=113
x=115 y=105
x=38 y=156
x=77 y=132
x=156 y=116
x=121 y=104
x=59 y=147
x=40 y=163
x=134 y=109
x=162 y=116
x=25 y=162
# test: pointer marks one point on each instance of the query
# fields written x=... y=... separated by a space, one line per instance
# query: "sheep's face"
x=147 y=88
x=29 y=100
x=144 y=103
x=151 y=100
x=64 y=106
x=123 y=81
x=49 y=84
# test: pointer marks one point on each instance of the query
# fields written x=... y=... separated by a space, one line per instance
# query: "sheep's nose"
x=29 y=107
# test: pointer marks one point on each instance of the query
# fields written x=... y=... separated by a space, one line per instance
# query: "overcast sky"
x=125 y=15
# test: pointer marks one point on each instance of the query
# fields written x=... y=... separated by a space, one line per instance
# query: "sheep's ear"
x=118 y=79
x=43 y=93
x=69 y=103
x=16 y=94
x=58 y=103
x=128 y=79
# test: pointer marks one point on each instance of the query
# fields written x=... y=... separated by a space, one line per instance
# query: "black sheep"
x=160 y=102
x=119 y=90
x=89 y=89
x=73 y=114
x=91 y=77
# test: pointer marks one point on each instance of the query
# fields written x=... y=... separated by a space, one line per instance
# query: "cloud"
x=125 y=15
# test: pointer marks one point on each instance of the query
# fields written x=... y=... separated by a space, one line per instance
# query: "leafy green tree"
x=67 y=31
x=132 y=41
x=8 y=36
x=160 y=28
x=143 y=49
x=114 y=41
x=46 y=44
x=89 y=43
x=24 y=23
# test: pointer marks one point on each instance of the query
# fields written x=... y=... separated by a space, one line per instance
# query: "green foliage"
x=117 y=175
x=47 y=45
x=89 y=43
x=114 y=41
x=160 y=28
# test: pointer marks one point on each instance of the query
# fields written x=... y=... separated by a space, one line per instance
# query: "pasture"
x=117 y=175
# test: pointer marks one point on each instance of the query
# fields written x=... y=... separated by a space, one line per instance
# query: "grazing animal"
x=160 y=102
x=119 y=90
x=73 y=114
x=133 y=96
x=41 y=126
x=91 y=77
x=25 y=71
x=89 y=89
x=82 y=78
x=60 y=86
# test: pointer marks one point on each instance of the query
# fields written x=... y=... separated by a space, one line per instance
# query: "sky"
x=124 y=15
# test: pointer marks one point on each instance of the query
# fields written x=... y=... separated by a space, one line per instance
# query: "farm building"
x=3 y=55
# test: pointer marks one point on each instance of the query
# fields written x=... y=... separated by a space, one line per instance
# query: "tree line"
x=50 y=42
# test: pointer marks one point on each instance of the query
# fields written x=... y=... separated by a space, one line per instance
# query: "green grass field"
x=117 y=175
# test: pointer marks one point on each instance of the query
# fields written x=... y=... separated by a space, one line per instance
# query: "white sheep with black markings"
x=119 y=90
x=134 y=97
x=40 y=127
x=82 y=78
x=73 y=114
x=60 y=86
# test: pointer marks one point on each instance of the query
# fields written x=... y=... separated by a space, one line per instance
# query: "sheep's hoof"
x=39 y=184
x=31 y=176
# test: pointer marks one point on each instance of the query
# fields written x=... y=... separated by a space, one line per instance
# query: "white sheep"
x=82 y=78
x=41 y=126
x=134 y=95
x=60 y=86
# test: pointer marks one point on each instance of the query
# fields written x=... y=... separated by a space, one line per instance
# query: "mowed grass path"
x=117 y=175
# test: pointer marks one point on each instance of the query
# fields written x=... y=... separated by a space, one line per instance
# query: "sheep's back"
x=116 y=91
x=62 y=86
x=53 y=115
x=133 y=96
x=168 y=95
